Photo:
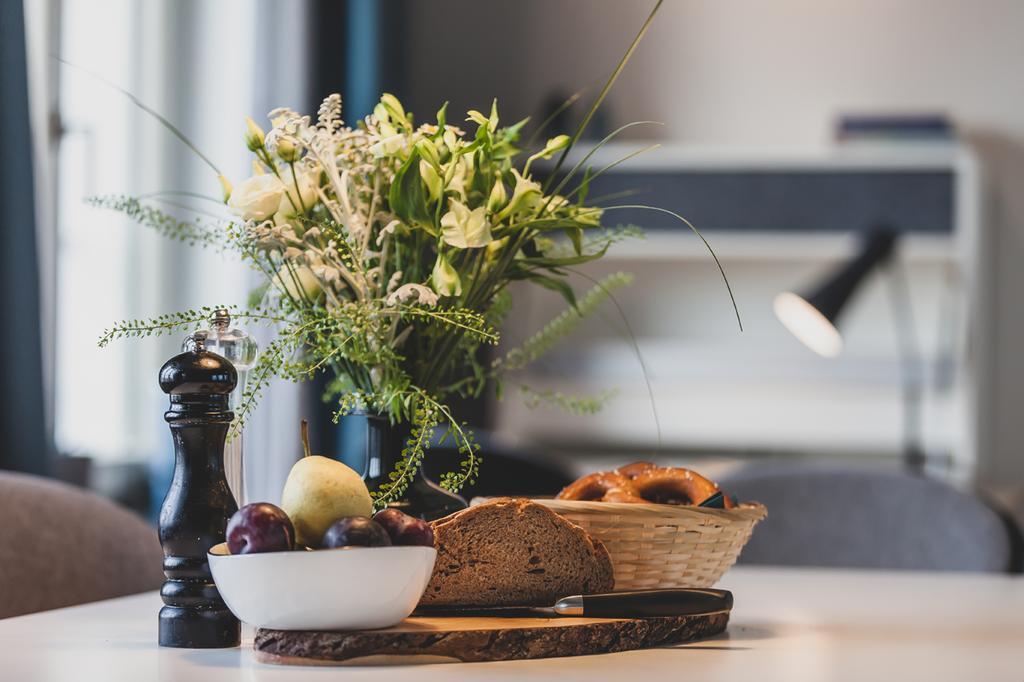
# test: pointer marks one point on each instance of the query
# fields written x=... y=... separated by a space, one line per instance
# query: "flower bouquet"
x=385 y=251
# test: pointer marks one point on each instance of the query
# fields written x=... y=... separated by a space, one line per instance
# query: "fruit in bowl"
x=404 y=529
x=328 y=589
x=325 y=505
x=353 y=572
x=319 y=491
x=260 y=527
x=355 y=531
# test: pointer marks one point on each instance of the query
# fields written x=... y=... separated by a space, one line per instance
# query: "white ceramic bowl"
x=347 y=588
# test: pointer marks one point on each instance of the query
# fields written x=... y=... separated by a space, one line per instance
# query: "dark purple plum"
x=260 y=527
x=405 y=529
x=394 y=522
x=355 y=531
x=419 y=533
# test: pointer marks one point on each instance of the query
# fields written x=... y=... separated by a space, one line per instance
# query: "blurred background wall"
x=757 y=80
x=775 y=75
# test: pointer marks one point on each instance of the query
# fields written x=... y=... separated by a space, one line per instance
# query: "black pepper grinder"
x=199 y=503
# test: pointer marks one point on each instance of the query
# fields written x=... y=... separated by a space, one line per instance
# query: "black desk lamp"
x=813 y=318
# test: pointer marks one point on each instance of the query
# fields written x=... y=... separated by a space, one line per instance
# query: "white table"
x=787 y=624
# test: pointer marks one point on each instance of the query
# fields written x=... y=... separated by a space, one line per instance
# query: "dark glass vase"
x=378 y=445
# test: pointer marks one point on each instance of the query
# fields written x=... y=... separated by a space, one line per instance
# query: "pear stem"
x=304 y=429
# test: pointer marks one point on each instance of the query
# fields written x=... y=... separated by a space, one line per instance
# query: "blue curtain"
x=356 y=49
x=24 y=443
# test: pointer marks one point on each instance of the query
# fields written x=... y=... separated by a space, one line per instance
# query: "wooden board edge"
x=688 y=629
x=374 y=660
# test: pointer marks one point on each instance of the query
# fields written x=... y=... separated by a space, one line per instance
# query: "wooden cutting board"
x=453 y=639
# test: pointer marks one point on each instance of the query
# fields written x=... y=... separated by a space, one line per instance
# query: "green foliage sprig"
x=191 y=232
x=562 y=325
x=597 y=241
x=572 y=404
x=185 y=320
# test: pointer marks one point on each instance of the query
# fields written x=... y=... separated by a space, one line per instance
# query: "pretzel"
x=635 y=469
x=605 y=486
x=644 y=482
x=673 y=485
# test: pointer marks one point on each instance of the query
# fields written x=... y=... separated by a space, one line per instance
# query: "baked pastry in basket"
x=646 y=482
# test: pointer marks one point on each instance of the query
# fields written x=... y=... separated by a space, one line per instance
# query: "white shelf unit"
x=760 y=391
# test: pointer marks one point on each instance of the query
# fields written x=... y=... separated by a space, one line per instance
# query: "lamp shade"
x=813 y=316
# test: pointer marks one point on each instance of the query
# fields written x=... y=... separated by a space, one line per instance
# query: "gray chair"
x=864 y=518
x=61 y=545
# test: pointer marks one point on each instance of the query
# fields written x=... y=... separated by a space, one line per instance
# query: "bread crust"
x=510 y=552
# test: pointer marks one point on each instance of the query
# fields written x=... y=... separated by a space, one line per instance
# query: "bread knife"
x=631 y=604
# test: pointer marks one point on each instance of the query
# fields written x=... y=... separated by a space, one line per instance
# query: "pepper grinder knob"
x=196 y=341
x=198 y=504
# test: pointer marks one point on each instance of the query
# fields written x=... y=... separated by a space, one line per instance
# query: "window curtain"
x=204 y=66
x=366 y=62
x=24 y=442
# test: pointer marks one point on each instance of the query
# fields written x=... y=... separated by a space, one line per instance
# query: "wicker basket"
x=660 y=545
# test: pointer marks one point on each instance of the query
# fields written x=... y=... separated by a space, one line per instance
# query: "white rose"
x=256 y=198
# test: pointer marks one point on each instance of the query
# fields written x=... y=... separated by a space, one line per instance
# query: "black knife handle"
x=646 y=603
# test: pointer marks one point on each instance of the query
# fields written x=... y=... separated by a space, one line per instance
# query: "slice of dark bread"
x=508 y=552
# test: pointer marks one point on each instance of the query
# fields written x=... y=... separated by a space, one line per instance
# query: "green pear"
x=319 y=491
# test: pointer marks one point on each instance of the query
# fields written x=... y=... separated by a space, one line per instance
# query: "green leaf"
x=584 y=186
x=511 y=133
x=503 y=146
x=408 y=195
x=589 y=176
x=554 y=284
x=596 y=239
x=542 y=262
x=575 y=235
x=593 y=150
x=393 y=107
